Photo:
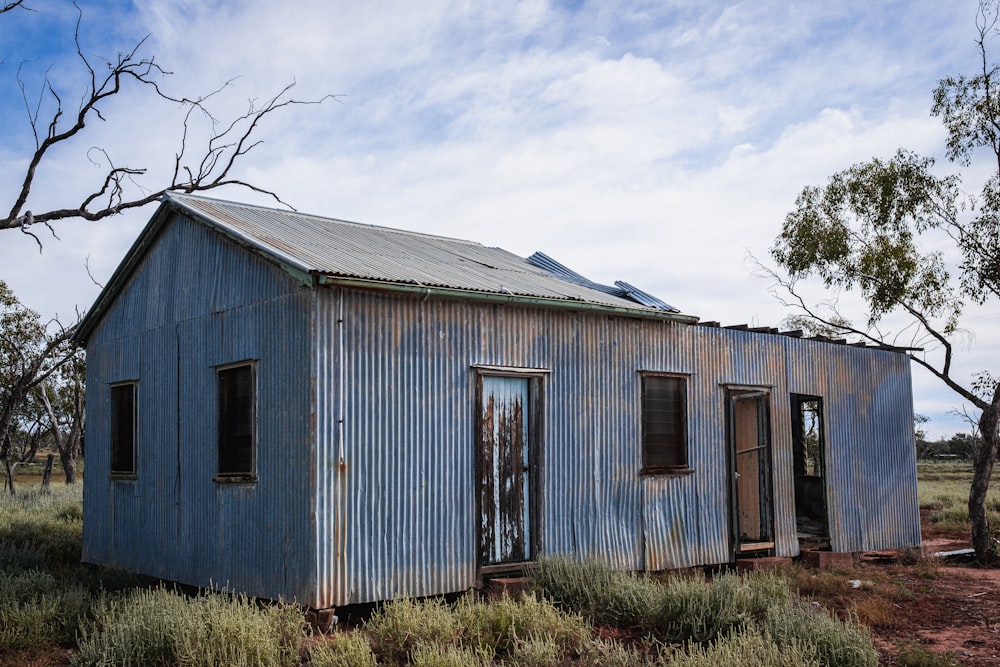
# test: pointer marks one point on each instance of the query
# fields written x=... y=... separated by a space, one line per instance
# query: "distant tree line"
x=961 y=447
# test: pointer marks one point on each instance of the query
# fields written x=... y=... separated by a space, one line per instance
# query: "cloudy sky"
x=657 y=142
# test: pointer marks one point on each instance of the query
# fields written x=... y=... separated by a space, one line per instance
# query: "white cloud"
x=652 y=142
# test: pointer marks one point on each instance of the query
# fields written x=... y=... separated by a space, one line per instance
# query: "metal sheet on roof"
x=348 y=249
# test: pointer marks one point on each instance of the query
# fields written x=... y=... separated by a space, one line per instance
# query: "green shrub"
x=398 y=626
x=499 y=625
x=342 y=649
x=610 y=653
x=835 y=643
x=745 y=648
x=684 y=609
x=691 y=609
x=699 y=611
x=437 y=655
x=536 y=651
x=161 y=626
x=915 y=655
x=37 y=611
x=603 y=594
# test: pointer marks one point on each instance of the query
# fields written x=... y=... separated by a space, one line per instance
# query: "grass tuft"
x=163 y=626
x=342 y=649
x=397 y=627
x=605 y=595
x=835 y=642
x=746 y=648
x=915 y=655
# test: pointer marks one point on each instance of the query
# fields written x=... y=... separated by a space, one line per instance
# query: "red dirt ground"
x=954 y=607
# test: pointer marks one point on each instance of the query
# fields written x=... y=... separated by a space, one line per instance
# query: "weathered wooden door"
x=750 y=457
x=504 y=473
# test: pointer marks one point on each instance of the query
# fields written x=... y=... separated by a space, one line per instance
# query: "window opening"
x=123 y=436
x=664 y=423
x=237 y=421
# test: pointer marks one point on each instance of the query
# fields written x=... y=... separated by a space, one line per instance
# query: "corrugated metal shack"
x=299 y=407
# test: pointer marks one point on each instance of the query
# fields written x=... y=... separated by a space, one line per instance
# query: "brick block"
x=512 y=586
x=828 y=560
x=761 y=564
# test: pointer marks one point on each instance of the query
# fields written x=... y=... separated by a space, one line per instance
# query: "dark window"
x=664 y=422
x=237 y=421
x=123 y=429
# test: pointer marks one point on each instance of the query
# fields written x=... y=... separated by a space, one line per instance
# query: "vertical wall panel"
x=197 y=302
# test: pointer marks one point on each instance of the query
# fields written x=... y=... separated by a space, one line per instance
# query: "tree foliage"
x=31 y=355
x=914 y=246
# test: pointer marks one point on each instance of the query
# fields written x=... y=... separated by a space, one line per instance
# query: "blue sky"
x=661 y=143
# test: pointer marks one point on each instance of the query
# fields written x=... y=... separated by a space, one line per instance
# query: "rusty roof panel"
x=340 y=248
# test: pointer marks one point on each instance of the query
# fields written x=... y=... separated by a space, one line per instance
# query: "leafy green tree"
x=916 y=249
x=31 y=353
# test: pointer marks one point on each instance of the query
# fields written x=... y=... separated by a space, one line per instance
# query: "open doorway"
x=749 y=436
x=808 y=448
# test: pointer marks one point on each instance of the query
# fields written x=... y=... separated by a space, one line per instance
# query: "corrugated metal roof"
x=339 y=248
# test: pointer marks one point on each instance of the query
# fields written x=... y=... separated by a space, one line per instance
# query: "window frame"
x=680 y=441
x=115 y=431
x=229 y=474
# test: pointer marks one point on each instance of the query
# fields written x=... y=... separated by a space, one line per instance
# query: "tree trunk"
x=982 y=539
x=9 y=482
x=68 y=462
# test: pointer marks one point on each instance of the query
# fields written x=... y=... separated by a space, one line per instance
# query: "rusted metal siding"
x=870 y=454
x=196 y=302
x=728 y=358
x=402 y=503
x=409 y=443
x=367 y=432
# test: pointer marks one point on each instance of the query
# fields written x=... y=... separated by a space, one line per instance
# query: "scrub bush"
x=163 y=626
x=605 y=595
x=342 y=649
x=835 y=643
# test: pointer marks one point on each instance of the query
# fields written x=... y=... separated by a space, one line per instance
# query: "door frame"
x=762 y=395
x=802 y=496
x=534 y=413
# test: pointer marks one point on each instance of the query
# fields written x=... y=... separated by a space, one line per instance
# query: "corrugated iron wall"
x=870 y=454
x=196 y=303
x=367 y=432
x=403 y=501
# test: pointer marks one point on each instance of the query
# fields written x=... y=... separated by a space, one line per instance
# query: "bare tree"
x=121 y=187
x=30 y=353
x=63 y=398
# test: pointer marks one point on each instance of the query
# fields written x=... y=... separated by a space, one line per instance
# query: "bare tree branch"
x=14 y=5
x=942 y=371
x=212 y=166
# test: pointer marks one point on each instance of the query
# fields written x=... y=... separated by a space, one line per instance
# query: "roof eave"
x=118 y=279
x=168 y=206
x=498 y=297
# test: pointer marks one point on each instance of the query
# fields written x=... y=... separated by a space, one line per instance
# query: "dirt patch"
x=943 y=605
x=957 y=612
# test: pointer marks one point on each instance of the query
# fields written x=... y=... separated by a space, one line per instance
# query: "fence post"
x=47 y=476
